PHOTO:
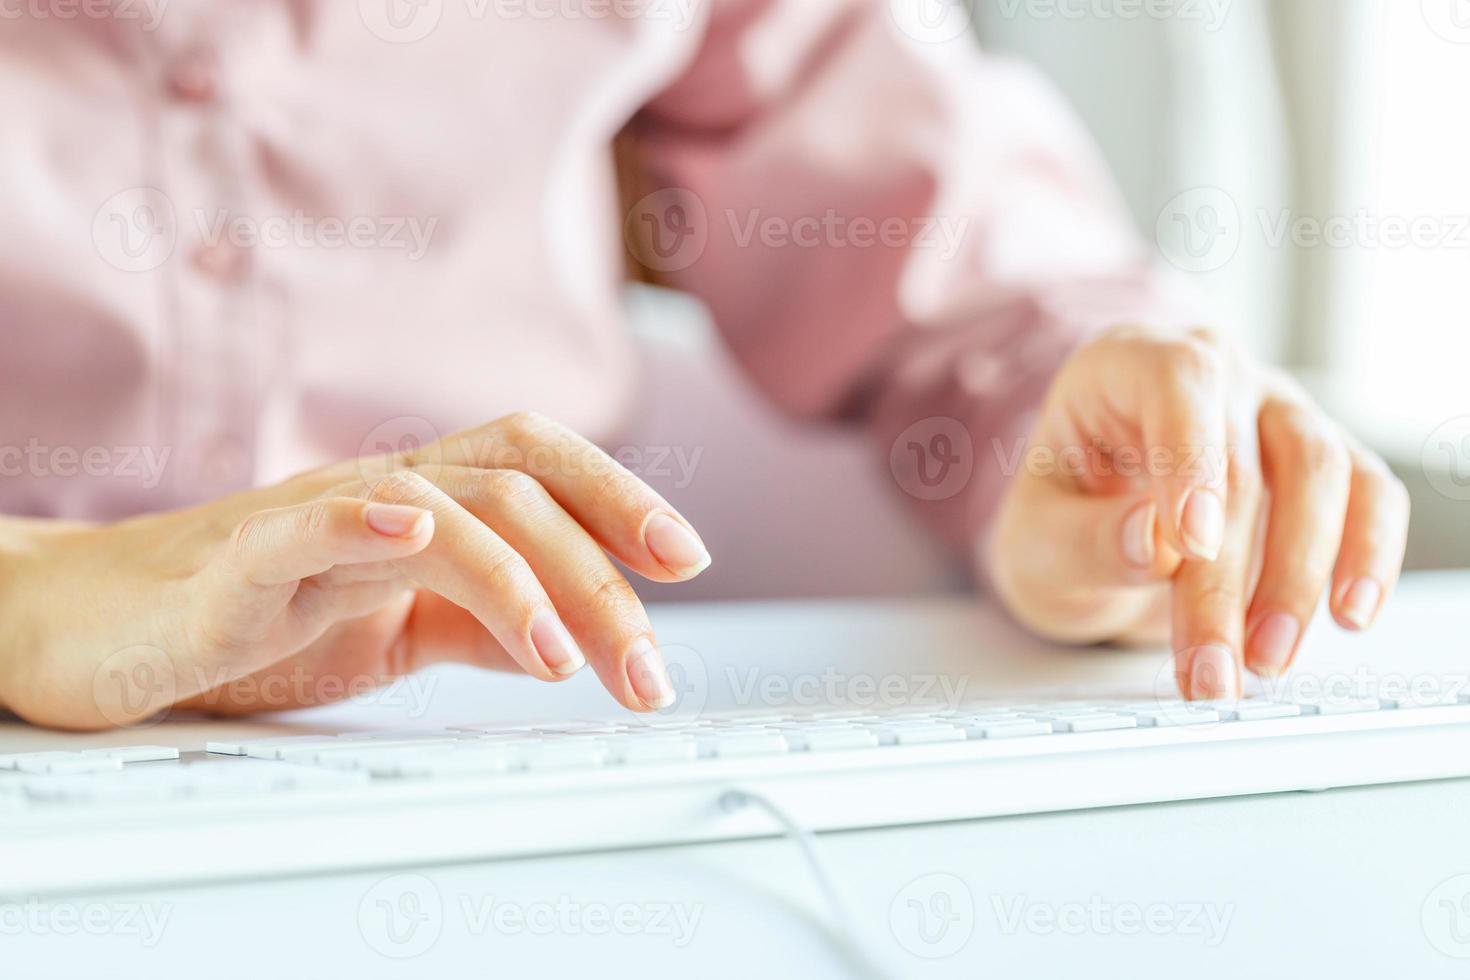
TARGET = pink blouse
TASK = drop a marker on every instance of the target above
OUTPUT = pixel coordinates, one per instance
(243, 237)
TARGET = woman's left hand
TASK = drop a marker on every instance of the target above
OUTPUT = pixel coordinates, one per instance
(1170, 482)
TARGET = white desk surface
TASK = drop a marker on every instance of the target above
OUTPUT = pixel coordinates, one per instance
(1359, 881)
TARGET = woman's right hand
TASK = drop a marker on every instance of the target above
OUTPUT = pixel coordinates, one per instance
(489, 547)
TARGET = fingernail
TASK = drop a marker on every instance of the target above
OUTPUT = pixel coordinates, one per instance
(1360, 602)
(675, 546)
(1212, 673)
(555, 645)
(1272, 643)
(1138, 535)
(1202, 525)
(396, 520)
(649, 676)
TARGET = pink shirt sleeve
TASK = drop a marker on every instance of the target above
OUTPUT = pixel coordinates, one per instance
(908, 234)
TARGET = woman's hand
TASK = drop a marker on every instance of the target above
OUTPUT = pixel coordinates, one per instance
(1170, 482)
(489, 547)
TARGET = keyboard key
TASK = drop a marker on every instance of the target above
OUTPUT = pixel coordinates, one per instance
(1418, 699)
(570, 754)
(1258, 711)
(917, 735)
(836, 739)
(1008, 728)
(136, 753)
(733, 746)
(61, 763)
(319, 752)
(1338, 706)
(244, 747)
(1175, 716)
(636, 751)
(1093, 723)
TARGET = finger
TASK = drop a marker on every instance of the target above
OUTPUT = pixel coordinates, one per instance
(1110, 541)
(592, 596)
(286, 544)
(1210, 598)
(1374, 537)
(469, 564)
(1092, 583)
(1173, 402)
(1306, 465)
(621, 512)
(1182, 415)
(349, 659)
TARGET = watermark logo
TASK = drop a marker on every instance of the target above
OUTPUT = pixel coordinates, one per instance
(689, 677)
(410, 695)
(143, 921)
(931, 21)
(1210, 14)
(1097, 916)
(133, 687)
(1450, 19)
(668, 230)
(135, 230)
(406, 233)
(1445, 459)
(833, 688)
(147, 14)
(1445, 917)
(933, 916)
(400, 21)
(675, 922)
(1200, 230)
(677, 464)
(933, 459)
(941, 234)
(386, 449)
(401, 916)
(145, 464)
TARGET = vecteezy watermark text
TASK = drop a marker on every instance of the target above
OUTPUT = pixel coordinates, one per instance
(143, 463)
(148, 13)
(1099, 917)
(145, 921)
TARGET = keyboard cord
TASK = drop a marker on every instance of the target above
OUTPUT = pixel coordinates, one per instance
(843, 933)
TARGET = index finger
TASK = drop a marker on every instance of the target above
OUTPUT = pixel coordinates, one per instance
(1210, 598)
(621, 512)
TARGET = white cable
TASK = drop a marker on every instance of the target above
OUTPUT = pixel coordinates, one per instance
(843, 933)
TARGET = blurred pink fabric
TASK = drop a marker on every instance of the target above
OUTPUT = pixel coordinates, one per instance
(241, 239)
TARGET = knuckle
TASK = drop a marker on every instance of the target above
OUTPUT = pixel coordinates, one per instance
(1190, 360)
(317, 518)
(1245, 480)
(612, 597)
(506, 573)
(523, 426)
(1398, 492)
(1305, 441)
(1219, 597)
(1321, 452)
(248, 535)
(403, 486)
(1207, 336)
(1388, 488)
(513, 486)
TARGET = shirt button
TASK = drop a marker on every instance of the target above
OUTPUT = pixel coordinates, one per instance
(195, 78)
(222, 261)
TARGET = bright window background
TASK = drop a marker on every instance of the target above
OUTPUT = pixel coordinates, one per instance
(1407, 350)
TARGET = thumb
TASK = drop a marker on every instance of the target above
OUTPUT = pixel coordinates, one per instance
(1068, 540)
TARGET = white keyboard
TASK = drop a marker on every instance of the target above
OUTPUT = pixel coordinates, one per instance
(312, 802)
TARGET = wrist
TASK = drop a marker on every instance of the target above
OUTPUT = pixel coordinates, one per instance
(25, 544)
